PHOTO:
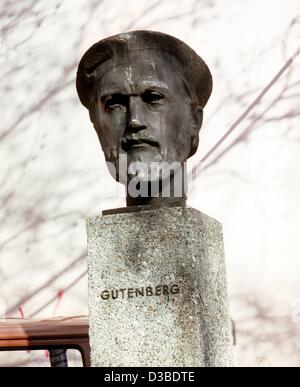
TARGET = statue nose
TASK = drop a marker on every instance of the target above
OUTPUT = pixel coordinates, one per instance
(136, 120)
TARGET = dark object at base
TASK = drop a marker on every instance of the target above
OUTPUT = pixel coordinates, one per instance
(55, 335)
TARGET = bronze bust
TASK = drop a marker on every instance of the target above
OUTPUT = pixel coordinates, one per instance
(145, 92)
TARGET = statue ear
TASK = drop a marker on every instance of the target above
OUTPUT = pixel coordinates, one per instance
(196, 126)
(194, 145)
(92, 114)
(93, 103)
(94, 120)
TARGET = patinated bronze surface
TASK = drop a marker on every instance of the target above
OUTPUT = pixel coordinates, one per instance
(145, 92)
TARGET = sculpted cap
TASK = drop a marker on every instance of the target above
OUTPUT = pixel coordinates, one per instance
(112, 50)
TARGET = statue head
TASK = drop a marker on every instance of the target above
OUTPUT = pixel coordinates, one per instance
(145, 92)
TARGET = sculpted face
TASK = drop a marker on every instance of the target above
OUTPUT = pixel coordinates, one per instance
(143, 109)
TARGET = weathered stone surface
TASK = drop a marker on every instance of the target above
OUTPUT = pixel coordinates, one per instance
(171, 306)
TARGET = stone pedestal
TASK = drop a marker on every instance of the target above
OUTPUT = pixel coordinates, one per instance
(157, 290)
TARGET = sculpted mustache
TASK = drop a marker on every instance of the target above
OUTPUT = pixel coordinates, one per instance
(128, 141)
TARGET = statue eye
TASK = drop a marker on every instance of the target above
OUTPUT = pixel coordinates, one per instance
(112, 102)
(153, 97)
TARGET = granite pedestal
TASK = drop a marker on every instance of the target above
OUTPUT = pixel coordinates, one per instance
(157, 290)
